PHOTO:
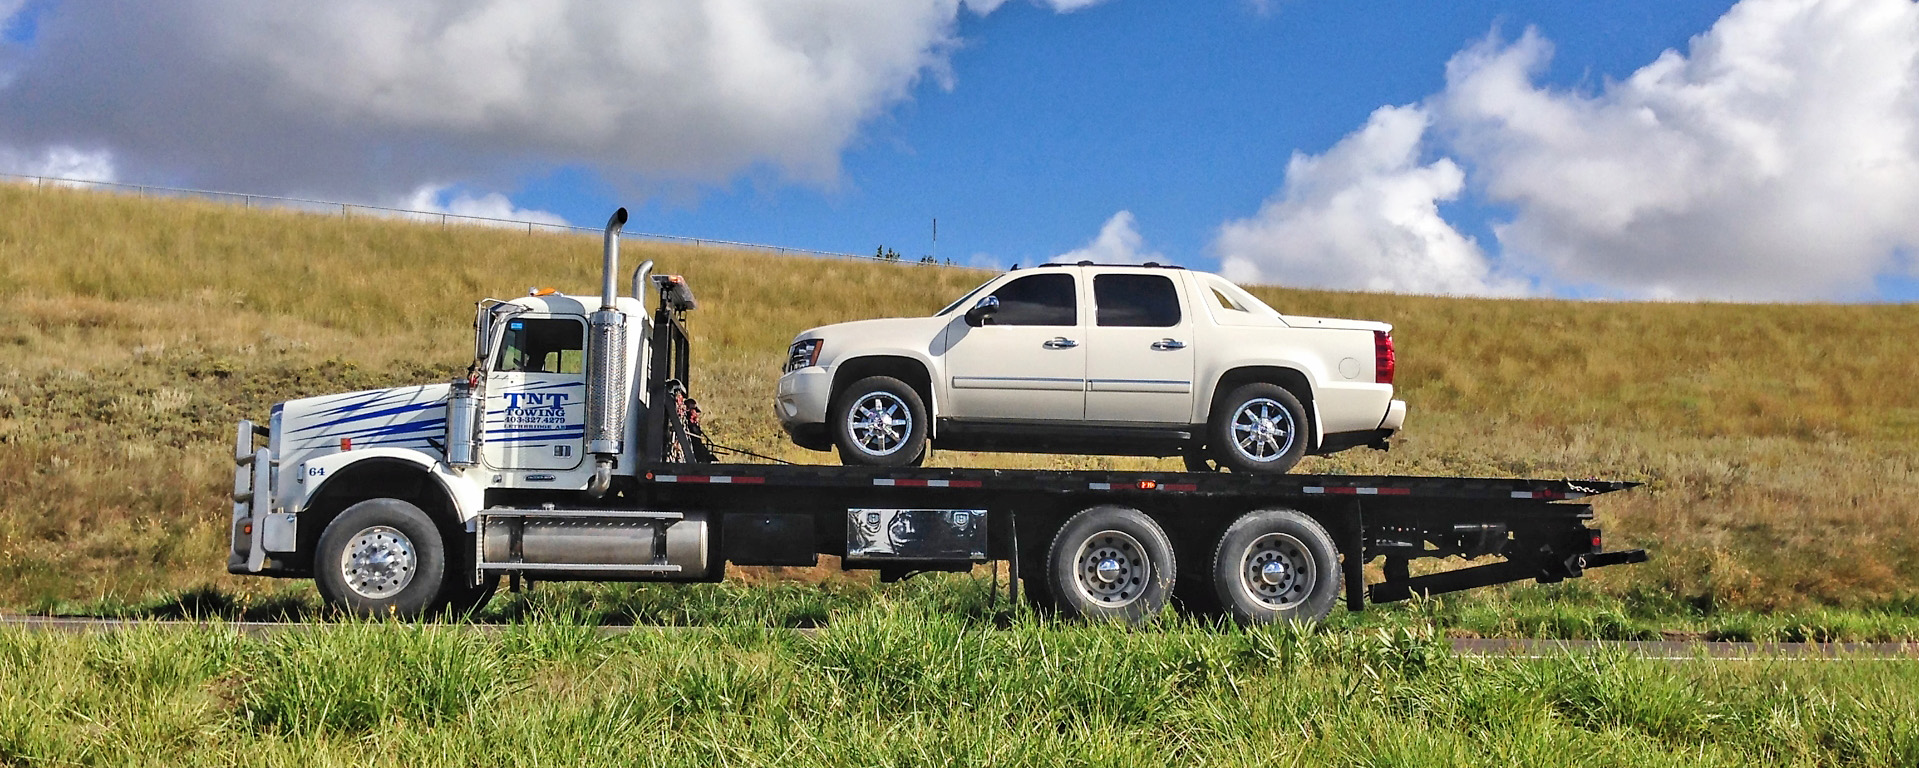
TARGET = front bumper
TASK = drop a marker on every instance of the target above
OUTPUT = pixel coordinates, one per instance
(800, 403)
(252, 500)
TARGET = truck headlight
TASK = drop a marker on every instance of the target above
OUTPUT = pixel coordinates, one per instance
(804, 353)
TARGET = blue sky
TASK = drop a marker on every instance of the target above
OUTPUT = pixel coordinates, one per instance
(1626, 149)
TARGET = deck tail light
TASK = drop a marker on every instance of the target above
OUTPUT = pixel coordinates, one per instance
(805, 353)
(1384, 361)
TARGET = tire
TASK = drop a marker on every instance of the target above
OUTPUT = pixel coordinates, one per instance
(1110, 563)
(381, 557)
(460, 601)
(1259, 427)
(879, 421)
(1276, 565)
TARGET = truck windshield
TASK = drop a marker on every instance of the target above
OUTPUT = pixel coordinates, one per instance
(542, 345)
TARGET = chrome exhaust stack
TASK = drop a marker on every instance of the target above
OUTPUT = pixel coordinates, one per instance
(606, 390)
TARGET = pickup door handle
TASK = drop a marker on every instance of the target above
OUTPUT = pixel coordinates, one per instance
(1060, 342)
(1168, 344)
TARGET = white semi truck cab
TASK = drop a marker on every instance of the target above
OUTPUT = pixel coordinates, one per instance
(570, 450)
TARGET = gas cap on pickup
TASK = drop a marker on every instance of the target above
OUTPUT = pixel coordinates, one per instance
(1349, 368)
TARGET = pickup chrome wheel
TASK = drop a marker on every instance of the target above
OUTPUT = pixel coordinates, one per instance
(381, 557)
(1110, 562)
(1258, 427)
(1275, 565)
(879, 421)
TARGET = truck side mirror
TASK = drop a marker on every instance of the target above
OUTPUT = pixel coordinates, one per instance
(986, 308)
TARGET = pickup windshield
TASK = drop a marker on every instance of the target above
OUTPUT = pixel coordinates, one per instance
(963, 299)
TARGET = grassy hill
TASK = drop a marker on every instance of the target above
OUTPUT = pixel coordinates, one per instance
(1778, 441)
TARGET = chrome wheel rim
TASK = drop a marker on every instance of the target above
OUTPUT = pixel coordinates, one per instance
(378, 562)
(879, 423)
(1263, 429)
(1278, 571)
(1111, 569)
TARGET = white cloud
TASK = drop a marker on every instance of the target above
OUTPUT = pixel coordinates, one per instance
(1363, 216)
(491, 208)
(368, 99)
(1777, 159)
(1118, 242)
(983, 7)
(60, 162)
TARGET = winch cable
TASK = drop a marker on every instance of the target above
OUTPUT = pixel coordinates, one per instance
(727, 449)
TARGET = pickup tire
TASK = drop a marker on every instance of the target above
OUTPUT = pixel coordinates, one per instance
(878, 421)
(1276, 565)
(1112, 563)
(1258, 427)
(381, 557)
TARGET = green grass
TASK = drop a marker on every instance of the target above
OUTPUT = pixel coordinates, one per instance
(897, 681)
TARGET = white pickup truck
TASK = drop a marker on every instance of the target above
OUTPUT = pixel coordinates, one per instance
(1094, 359)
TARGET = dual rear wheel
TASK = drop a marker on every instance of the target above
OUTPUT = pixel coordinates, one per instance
(1115, 563)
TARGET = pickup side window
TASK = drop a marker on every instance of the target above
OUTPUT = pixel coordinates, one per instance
(543, 346)
(1136, 301)
(1038, 300)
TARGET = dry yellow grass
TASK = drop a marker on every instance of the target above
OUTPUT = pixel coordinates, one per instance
(1777, 441)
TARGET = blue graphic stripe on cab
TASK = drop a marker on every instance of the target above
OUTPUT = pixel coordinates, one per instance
(523, 435)
(396, 411)
(359, 400)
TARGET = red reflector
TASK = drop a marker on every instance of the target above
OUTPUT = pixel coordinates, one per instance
(1385, 363)
(247, 529)
(346, 443)
(1147, 485)
(1596, 541)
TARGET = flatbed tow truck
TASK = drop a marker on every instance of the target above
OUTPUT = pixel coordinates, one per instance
(418, 500)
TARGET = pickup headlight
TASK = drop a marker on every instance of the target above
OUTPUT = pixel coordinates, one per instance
(804, 352)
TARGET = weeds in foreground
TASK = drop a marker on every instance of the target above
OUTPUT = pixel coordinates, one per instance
(893, 683)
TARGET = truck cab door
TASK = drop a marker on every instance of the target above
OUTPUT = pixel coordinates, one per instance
(536, 395)
(1139, 353)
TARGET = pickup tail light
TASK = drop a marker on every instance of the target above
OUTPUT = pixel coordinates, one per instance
(1384, 361)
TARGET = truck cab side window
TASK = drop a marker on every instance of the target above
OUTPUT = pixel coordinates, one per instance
(1038, 300)
(543, 346)
(1136, 301)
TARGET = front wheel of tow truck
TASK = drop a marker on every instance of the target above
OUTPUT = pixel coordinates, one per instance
(1110, 563)
(381, 557)
(1276, 565)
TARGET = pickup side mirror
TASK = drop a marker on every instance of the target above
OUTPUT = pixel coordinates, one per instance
(982, 311)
